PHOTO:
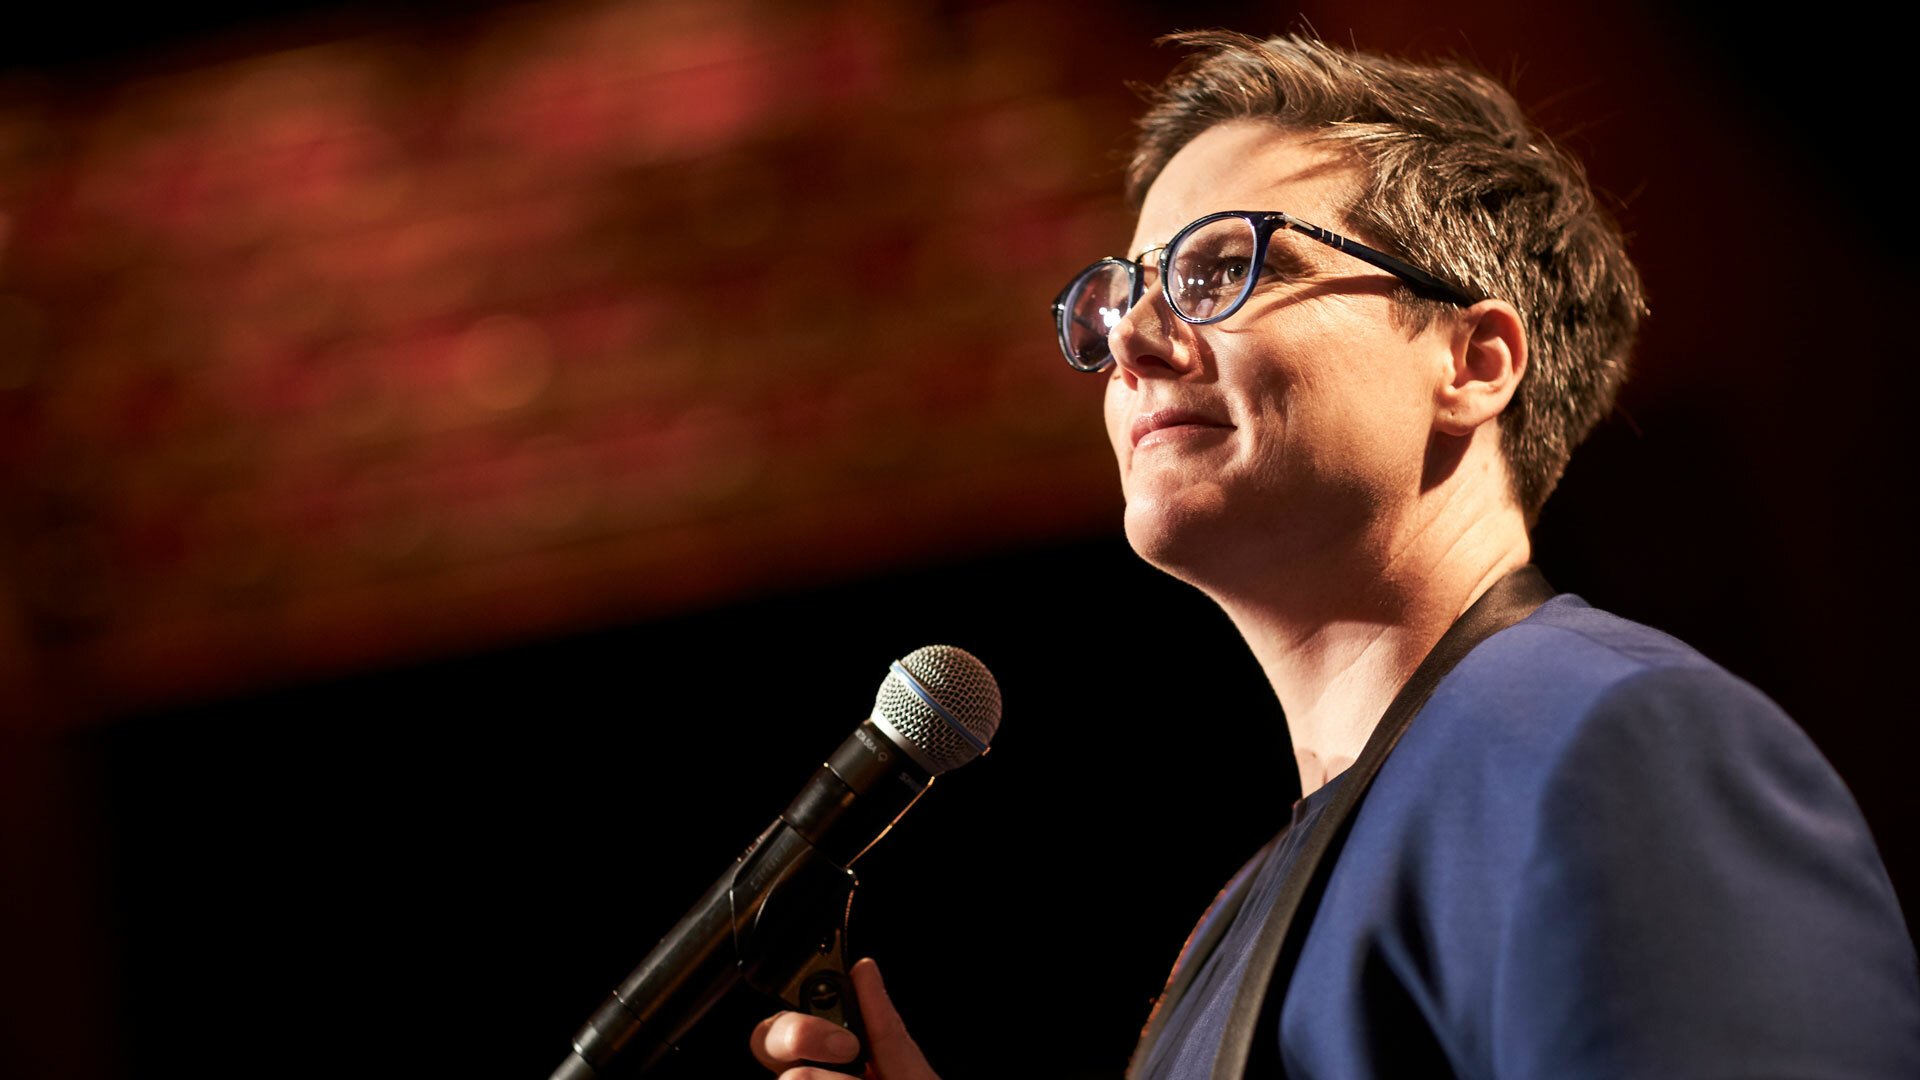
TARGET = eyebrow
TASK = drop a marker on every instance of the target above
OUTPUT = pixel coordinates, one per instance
(1288, 250)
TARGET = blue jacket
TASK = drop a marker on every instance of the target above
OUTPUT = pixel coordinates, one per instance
(1596, 854)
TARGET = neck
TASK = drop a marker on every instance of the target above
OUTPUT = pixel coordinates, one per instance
(1338, 637)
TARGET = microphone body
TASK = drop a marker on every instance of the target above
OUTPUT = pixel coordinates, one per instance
(776, 918)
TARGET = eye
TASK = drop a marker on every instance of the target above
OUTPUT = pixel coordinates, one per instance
(1217, 270)
(1208, 277)
(1215, 255)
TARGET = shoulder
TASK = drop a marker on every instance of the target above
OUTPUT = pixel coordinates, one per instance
(1627, 740)
(1569, 656)
(1689, 849)
(1595, 838)
(1575, 722)
(1528, 745)
(1573, 682)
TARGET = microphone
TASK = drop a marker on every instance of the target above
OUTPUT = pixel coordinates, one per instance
(776, 919)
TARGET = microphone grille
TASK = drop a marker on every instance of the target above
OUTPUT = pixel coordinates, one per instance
(942, 704)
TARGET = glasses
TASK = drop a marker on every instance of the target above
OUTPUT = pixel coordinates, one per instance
(1207, 271)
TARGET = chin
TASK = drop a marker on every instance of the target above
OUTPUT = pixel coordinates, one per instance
(1173, 539)
(1220, 545)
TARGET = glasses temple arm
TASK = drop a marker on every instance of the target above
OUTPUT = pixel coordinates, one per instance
(1438, 287)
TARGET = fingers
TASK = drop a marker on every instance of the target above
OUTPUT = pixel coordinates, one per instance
(895, 1055)
(785, 1038)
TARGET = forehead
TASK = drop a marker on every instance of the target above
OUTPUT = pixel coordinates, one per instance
(1246, 165)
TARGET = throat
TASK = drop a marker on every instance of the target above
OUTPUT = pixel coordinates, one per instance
(1316, 769)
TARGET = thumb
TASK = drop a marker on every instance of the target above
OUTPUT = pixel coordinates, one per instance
(892, 1052)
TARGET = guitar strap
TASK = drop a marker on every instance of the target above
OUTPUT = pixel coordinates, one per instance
(1277, 947)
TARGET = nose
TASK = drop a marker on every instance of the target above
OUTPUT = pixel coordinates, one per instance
(1150, 341)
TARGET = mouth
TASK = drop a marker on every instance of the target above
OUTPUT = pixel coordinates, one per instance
(1163, 425)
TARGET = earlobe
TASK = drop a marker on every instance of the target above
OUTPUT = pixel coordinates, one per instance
(1489, 357)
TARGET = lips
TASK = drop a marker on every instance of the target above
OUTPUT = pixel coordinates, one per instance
(1173, 422)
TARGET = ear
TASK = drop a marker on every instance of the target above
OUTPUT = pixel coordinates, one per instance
(1489, 348)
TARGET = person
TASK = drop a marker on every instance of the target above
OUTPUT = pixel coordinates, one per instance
(1368, 314)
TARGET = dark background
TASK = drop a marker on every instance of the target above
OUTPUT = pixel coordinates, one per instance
(427, 827)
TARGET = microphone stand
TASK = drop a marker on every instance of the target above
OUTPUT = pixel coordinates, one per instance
(776, 921)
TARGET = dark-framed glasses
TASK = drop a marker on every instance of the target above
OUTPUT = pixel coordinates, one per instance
(1207, 271)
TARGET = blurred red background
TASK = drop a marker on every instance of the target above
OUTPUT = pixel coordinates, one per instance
(409, 419)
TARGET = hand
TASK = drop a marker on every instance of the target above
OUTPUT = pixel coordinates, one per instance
(783, 1040)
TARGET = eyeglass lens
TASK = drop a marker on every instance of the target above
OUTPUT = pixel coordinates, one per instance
(1210, 270)
(1094, 306)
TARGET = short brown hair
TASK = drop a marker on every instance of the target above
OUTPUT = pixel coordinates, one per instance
(1457, 181)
